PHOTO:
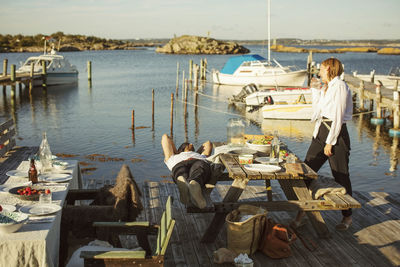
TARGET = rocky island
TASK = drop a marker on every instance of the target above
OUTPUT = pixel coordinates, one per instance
(188, 44)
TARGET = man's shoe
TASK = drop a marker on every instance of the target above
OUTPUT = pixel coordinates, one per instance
(197, 194)
(183, 188)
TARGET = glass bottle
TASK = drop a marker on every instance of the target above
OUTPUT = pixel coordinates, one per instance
(235, 132)
(275, 148)
(32, 173)
(45, 154)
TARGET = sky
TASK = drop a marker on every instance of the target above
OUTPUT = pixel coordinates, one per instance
(220, 19)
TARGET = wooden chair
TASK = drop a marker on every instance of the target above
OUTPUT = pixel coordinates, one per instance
(135, 258)
(10, 154)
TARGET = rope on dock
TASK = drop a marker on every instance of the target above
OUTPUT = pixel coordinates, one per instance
(210, 109)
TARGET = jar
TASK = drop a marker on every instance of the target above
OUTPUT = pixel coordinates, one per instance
(235, 132)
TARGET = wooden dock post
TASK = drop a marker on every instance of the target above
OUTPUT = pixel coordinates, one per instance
(309, 74)
(204, 69)
(172, 115)
(44, 74)
(395, 131)
(12, 78)
(201, 69)
(196, 76)
(177, 79)
(152, 109)
(133, 120)
(378, 120)
(31, 77)
(190, 69)
(183, 84)
(396, 85)
(361, 96)
(372, 76)
(89, 70)
(5, 63)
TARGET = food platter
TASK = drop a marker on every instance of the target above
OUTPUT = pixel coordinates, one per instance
(40, 209)
(32, 197)
(262, 167)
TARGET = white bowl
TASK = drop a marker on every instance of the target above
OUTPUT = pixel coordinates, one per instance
(60, 165)
(10, 222)
(261, 148)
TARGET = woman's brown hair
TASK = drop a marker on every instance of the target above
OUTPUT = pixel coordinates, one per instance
(335, 67)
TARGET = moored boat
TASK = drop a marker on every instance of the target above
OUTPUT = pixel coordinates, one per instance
(286, 111)
(59, 70)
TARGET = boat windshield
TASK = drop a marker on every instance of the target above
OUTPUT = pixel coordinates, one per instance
(30, 62)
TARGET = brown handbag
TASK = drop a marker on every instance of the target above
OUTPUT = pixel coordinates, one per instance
(276, 240)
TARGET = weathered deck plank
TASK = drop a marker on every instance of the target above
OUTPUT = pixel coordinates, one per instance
(372, 240)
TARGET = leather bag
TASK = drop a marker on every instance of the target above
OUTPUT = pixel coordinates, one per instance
(276, 240)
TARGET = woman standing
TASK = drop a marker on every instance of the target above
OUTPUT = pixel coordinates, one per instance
(332, 108)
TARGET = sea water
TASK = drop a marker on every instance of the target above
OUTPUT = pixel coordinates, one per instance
(92, 124)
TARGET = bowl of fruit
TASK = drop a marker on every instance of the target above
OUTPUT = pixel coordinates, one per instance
(263, 144)
(27, 192)
(10, 221)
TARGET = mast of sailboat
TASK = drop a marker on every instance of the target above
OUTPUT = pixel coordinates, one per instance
(269, 31)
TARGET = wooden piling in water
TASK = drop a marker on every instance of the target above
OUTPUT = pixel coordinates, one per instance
(31, 78)
(309, 72)
(152, 109)
(177, 79)
(361, 96)
(44, 74)
(190, 69)
(172, 114)
(396, 110)
(204, 69)
(12, 78)
(89, 70)
(196, 76)
(183, 84)
(5, 63)
(133, 120)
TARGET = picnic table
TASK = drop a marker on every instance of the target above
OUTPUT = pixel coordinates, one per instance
(36, 243)
(291, 179)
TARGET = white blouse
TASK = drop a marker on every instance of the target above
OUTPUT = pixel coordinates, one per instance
(336, 104)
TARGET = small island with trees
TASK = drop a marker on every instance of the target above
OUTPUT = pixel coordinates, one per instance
(188, 44)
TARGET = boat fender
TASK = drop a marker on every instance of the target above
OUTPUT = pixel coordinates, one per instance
(268, 100)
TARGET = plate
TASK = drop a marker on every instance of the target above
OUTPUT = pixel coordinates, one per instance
(4, 189)
(7, 207)
(262, 167)
(40, 209)
(265, 160)
(17, 173)
(55, 177)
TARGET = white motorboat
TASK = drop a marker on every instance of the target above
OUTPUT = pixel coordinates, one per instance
(387, 81)
(246, 69)
(289, 95)
(59, 70)
(286, 111)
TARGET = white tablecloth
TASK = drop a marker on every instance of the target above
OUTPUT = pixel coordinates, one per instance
(36, 244)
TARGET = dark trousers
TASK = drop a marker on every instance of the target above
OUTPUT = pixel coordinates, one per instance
(193, 169)
(339, 161)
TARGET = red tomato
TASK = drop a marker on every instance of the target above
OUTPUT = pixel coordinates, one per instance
(1, 208)
(47, 191)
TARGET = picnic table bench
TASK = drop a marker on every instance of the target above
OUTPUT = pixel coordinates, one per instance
(291, 179)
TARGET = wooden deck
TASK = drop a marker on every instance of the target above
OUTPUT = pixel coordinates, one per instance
(372, 240)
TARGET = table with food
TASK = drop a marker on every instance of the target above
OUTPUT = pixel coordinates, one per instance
(30, 211)
(263, 157)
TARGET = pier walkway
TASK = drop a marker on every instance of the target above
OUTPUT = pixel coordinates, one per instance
(372, 240)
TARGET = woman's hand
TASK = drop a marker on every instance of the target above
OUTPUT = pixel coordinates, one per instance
(328, 150)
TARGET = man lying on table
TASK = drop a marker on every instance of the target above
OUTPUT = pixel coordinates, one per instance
(190, 169)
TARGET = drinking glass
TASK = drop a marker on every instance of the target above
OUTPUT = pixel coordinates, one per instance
(45, 198)
(275, 153)
(291, 158)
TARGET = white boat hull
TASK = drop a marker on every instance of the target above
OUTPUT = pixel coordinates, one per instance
(57, 78)
(287, 112)
(288, 95)
(387, 81)
(295, 78)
